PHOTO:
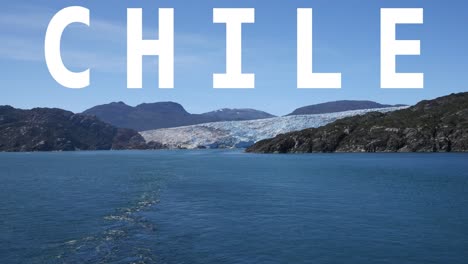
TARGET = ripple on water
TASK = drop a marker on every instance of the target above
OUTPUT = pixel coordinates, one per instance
(115, 244)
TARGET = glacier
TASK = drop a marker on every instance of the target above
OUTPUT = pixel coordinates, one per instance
(242, 134)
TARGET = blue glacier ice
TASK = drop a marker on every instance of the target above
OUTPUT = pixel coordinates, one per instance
(242, 134)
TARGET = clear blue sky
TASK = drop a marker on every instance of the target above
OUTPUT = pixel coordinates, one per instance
(346, 40)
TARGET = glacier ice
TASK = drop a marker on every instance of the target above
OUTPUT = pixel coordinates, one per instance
(241, 134)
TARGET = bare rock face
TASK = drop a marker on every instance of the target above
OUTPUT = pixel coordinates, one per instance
(45, 129)
(439, 125)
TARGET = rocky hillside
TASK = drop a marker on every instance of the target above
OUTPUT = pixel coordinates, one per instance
(338, 106)
(439, 125)
(165, 115)
(44, 129)
(144, 116)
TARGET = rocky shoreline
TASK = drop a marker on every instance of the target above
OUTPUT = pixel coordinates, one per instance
(47, 129)
(439, 125)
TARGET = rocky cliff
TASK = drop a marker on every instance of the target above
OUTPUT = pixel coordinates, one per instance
(45, 129)
(439, 125)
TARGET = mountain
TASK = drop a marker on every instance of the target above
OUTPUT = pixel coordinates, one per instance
(227, 114)
(164, 115)
(439, 125)
(338, 106)
(240, 134)
(143, 116)
(45, 129)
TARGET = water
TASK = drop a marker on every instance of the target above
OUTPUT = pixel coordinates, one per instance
(230, 207)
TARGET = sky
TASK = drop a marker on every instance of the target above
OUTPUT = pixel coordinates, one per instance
(346, 40)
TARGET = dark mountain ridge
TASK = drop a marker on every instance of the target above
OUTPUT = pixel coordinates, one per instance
(338, 106)
(228, 114)
(165, 115)
(439, 125)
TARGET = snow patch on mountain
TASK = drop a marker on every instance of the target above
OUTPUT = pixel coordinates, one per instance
(241, 134)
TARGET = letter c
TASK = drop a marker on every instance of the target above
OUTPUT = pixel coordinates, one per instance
(65, 17)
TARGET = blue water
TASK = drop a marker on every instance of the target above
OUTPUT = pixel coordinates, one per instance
(232, 207)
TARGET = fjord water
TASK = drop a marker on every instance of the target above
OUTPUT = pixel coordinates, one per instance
(231, 207)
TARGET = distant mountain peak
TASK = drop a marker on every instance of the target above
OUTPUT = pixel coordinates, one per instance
(339, 106)
(168, 103)
(114, 104)
(237, 114)
(148, 116)
(162, 107)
